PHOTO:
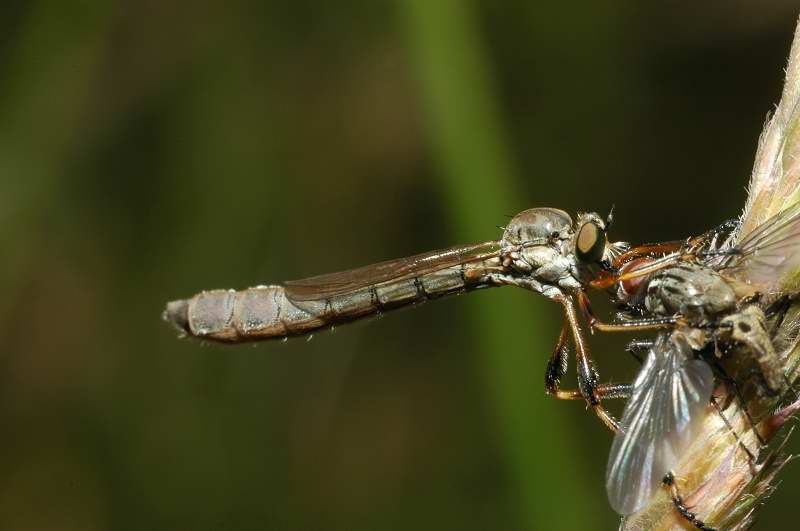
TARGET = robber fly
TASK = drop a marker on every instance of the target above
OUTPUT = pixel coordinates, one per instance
(541, 250)
(701, 291)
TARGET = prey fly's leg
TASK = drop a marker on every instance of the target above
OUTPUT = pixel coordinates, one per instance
(750, 456)
(680, 506)
(557, 367)
(737, 393)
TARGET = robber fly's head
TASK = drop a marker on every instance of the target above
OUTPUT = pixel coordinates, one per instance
(590, 245)
(547, 244)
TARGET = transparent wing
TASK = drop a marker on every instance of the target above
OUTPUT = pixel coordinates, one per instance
(659, 421)
(332, 284)
(768, 256)
(775, 181)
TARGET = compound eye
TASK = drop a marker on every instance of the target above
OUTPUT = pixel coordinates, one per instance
(590, 245)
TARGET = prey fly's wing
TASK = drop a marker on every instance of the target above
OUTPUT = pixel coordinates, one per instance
(775, 180)
(660, 420)
(769, 256)
(765, 249)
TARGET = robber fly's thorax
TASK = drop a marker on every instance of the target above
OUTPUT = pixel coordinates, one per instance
(546, 246)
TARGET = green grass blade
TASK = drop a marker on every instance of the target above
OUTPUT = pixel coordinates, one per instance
(478, 182)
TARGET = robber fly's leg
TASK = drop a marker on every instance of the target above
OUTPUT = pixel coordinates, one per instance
(557, 367)
(638, 347)
(634, 325)
(588, 387)
(557, 364)
(606, 279)
(602, 391)
(680, 506)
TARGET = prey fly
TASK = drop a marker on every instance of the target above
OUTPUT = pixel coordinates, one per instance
(709, 293)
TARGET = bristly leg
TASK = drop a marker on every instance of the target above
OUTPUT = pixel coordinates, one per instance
(588, 387)
(557, 364)
(557, 367)
(680, 506)
(634, 325)
(638, 348)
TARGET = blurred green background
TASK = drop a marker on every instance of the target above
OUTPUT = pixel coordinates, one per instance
(150, 150)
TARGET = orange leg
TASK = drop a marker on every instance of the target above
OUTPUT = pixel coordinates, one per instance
(606, 280)
(638, 325)
(588, 387)
(557, 367)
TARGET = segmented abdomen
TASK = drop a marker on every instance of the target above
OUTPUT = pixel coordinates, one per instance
(269, 312)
